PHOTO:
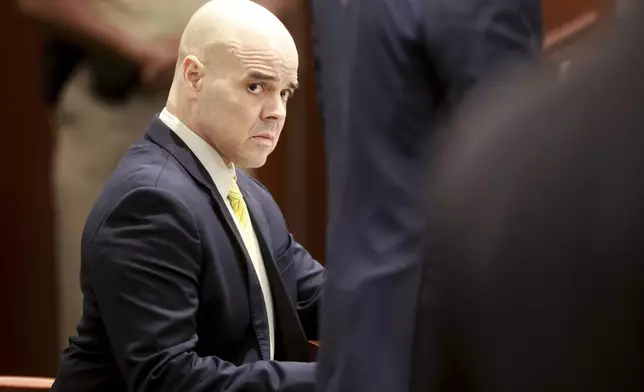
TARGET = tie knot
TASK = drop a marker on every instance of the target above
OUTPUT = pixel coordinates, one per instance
(234, 193)
(237, 203)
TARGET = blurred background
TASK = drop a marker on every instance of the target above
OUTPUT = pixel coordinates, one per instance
(31, 315)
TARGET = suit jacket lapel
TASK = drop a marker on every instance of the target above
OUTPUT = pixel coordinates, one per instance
(291, 343)
(163, 136)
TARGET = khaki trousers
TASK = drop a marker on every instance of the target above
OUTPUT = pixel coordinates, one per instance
(91, 137)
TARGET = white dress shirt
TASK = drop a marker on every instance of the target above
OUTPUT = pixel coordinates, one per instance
(222, 176)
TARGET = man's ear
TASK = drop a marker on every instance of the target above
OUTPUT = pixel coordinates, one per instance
(193, 71)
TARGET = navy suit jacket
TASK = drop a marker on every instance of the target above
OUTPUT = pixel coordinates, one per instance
(171, 300)
(390, 71)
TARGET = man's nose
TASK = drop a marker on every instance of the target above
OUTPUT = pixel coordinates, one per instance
(275, 109)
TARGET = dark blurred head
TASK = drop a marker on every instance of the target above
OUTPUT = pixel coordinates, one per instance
(534, 280)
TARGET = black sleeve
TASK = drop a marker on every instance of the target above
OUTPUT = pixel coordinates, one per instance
(469, 40)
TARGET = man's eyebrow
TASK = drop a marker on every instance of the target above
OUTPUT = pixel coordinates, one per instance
(262, 76)
(270, 78)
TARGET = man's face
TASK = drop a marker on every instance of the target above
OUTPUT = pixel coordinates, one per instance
(241, 107)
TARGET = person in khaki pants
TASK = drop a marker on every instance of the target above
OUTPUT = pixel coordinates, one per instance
(93, 132)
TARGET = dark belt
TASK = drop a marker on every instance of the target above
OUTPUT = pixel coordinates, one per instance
(113, 79)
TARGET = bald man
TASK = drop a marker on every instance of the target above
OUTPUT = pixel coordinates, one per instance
(191, 280)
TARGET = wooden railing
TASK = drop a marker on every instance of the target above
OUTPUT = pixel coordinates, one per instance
(571, 30)
(28, 383)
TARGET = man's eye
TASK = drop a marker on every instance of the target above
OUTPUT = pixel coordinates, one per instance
(286, 94)
(255, 88)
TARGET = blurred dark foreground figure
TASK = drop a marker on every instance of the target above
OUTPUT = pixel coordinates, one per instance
(534, 280)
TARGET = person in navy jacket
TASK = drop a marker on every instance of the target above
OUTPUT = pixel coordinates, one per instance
(390, 74)
(191, 280)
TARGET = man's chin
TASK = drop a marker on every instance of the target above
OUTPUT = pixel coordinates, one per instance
(253, 163)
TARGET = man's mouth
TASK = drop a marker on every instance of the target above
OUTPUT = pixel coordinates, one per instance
(264, 138)
(264, 135)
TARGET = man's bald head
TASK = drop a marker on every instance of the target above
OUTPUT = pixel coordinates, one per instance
(237, 68)
(232, 22)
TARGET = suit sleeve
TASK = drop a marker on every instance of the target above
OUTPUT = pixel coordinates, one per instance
(310, 282)
(144, 262)
(310, 274)
(470, 40)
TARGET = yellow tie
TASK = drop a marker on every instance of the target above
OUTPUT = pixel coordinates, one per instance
(237, 202)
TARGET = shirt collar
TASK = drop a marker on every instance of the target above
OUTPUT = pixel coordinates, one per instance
(220, 174)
